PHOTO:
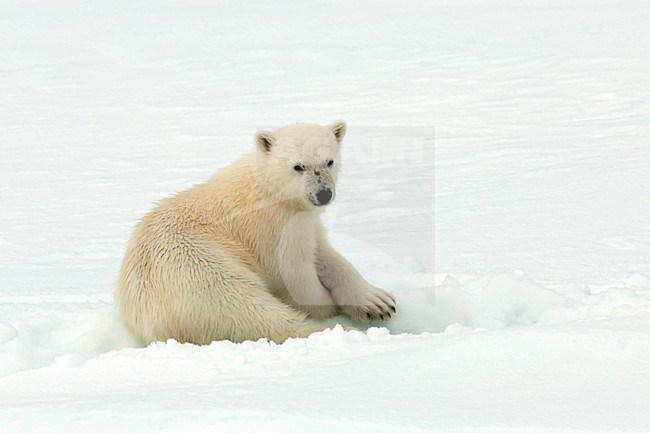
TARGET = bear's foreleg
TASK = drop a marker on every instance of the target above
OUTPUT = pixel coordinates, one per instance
(306, 292)
(355, 296)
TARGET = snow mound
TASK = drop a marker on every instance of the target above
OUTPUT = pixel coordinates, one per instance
(37, 335)
(503, 300)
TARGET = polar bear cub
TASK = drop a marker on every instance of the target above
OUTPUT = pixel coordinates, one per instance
(244, 255)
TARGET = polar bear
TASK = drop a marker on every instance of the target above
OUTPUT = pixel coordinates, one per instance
(244, 255)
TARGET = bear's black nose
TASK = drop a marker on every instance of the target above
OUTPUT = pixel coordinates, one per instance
(324, 196)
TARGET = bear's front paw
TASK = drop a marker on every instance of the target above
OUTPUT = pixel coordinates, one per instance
(371, 305)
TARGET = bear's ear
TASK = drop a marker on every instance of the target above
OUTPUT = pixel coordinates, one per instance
(338, 129)
(265, 140)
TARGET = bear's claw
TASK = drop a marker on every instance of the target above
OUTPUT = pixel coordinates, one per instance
(373, 305)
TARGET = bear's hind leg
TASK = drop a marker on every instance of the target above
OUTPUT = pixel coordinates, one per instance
(215, 297)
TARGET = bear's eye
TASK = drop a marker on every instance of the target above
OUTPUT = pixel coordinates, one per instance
(330, 163)
(298, 167)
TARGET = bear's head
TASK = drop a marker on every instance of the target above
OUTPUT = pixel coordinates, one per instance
(300, 162)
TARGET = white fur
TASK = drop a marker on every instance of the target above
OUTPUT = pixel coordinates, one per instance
(244, 255)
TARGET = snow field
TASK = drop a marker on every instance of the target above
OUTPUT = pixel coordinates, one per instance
(72, 333)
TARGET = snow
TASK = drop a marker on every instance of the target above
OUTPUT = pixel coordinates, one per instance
(495, 179)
